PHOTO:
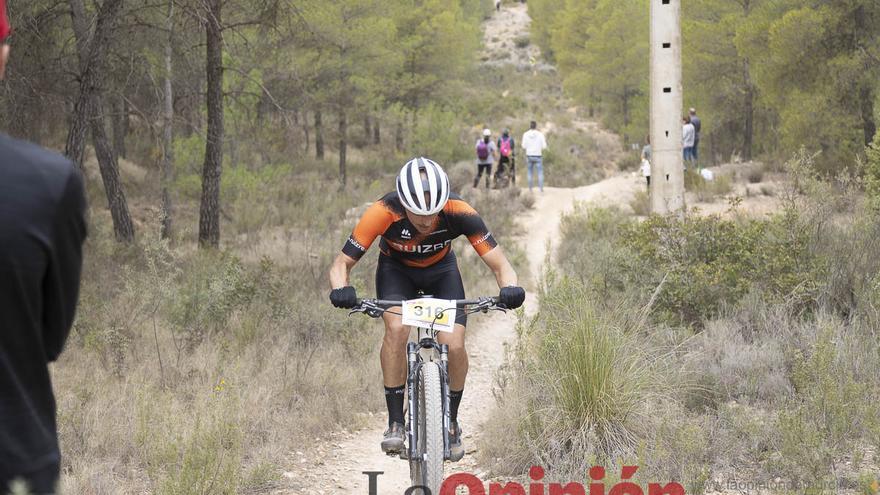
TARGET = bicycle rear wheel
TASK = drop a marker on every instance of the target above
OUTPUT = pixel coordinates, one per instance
(427, 469)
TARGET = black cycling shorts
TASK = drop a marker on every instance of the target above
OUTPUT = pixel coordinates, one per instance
(396, 281)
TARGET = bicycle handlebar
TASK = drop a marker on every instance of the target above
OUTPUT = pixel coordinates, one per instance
(375, 307)
(386, 303)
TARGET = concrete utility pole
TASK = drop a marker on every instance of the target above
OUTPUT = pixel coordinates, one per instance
(667, 165)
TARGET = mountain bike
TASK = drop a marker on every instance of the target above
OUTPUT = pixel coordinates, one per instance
(427, 379)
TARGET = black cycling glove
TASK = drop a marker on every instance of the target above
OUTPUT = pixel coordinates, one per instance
(512, 297)
(344, 297)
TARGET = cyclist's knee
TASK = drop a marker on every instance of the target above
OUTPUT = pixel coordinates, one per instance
(455, 342)
(396, 332)
(456, 346)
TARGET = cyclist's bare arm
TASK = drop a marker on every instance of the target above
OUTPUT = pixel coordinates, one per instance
(495, 259)
(340, 269)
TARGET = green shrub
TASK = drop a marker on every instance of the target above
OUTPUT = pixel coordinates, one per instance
(436, 135)
(641, 203)
(872, 172)
(755, 175)
(522, 41)
(201, 453)
(590, 249)
(215, 287)
(573, 159)
(705, 262)
(596, 379)
(628, 161)
(599, 381)
(707, 190)
(825, 416)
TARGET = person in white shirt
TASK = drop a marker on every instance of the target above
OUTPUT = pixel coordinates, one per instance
(534, 144)
(688, 134)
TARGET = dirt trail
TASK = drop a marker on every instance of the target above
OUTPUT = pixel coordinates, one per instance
(337, 466)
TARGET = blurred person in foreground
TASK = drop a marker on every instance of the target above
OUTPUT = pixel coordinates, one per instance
(42, 229)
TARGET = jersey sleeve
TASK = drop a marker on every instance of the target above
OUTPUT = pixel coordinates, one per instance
(471, 225)
(373, 223)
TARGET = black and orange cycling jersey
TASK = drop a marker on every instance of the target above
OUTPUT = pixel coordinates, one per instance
(401, 241)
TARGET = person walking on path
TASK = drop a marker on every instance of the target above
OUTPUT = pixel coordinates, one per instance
(695, 121)
(534, 143)
(646, 161)
(486, 154)
(506, 156)
(497, 5)
(687, 142)
(42, 229)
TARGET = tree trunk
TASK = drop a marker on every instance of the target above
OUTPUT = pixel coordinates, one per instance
(625, 102)
(209, 212)
(367, 129)
(712, 149)
(118, 119)
(168, 129)
(76, 135)
(398, 137)
(749, 109)
(122, 226)
(592, 108)
(343, 144)
(319, 135)
(305, 126)
(749, 131)
(89, 110)
(861, 37)
(866, 106)
(377, 136)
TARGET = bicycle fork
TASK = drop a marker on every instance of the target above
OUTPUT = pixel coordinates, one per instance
(444, 393)
(414, 364)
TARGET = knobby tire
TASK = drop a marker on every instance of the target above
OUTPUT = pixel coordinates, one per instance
(428, 469)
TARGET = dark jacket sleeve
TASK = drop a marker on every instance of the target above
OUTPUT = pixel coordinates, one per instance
(62, 277)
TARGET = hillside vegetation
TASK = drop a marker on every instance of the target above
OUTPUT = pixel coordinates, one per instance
(766, 76)
(705, 350)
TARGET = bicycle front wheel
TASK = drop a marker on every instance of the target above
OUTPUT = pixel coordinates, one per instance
(427, 469)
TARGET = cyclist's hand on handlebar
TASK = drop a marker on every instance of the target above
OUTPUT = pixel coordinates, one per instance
(512, 297)
(344, 297)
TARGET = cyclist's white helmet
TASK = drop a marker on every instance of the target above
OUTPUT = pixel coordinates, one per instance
(423, 195)
(487, 132)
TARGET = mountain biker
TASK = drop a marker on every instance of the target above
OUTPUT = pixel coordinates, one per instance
(417, 224)
(507, 154)
(486, 150)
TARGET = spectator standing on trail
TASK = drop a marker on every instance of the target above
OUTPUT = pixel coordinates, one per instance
(692, 115)
(646, 160)
(498, 5)
(534, 144)
(506, 156)
(486, 154)
(42, 228)
(687, 141)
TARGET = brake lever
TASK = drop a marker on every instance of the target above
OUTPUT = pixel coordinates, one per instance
(488, 305)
